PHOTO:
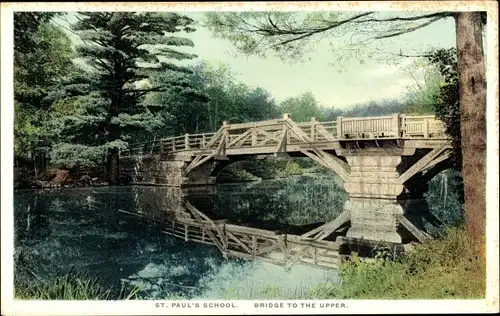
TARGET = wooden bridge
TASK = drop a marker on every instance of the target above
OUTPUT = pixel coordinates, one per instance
(385, 163)
(260, 137)
(284, 135)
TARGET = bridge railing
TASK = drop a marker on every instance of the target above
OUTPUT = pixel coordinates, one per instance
(422, 126)
(243, 135)
(271, 133)
(319, 131)
(393, 126)
(171, 144)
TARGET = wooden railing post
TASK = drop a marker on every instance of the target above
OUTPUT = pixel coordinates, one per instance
(161, 146)
(395, 125)
(186, 141)
(254, 246)
(173, 143)
(286, 117)
(254, 137)
(225, 135)
(339, 127)
(313, 128)
(202, 141)
(425, 127)
(402, 119)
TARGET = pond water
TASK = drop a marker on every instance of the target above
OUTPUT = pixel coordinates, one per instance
(82, 229)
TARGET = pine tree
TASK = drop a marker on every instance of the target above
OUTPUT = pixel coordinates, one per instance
(183, 106)
(121, 49)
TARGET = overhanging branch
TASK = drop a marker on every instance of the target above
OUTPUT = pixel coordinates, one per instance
(409, 30)
(271, 28)
(324, 29)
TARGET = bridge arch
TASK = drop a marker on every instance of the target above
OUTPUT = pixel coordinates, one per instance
(209, 171)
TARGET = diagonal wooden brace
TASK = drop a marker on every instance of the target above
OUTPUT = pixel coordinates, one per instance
(326, 229)
(419, 234)
(431, 159)
(198, 161)
(282, 142)
(331, 162)
(203, 219)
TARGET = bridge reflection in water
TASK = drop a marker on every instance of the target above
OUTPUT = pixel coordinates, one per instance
(384, 162)
(283, 245)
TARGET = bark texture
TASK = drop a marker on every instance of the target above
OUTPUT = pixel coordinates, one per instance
(471, 67)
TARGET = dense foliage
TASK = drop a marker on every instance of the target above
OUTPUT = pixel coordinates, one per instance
(448, 101)
(209, 96)
(42, 58)
(303, 108)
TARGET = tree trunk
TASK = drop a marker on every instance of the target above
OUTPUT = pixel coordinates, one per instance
(113, 166)
(472, 81)
(114, 134)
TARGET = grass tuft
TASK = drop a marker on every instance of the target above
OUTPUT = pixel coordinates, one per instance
(70, 286)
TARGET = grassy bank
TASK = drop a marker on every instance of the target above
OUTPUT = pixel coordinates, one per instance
(445, 268)
(71, 286)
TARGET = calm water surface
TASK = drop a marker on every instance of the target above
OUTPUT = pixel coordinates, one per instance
(81, 228)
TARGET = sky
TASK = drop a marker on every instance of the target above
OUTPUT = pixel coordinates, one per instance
(357, 83)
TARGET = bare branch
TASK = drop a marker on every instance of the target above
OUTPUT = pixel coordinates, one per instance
(400, 54)
(439, 15)
(329, 27)
(409, 30)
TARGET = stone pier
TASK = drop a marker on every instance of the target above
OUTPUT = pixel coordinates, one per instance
(168, 171)
(386, 190)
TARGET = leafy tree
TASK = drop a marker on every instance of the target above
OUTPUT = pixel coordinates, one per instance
(42, 58)
(256, 105)
(217, 80)
(122, 48)
(422, 95)
(290, 34)
(232, 101)
(26, 26)
(303, 107)
(447, 103)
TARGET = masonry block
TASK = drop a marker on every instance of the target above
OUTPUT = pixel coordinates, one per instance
(374, 219)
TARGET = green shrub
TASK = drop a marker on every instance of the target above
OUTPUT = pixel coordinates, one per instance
(443, 268)
(293, 168)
